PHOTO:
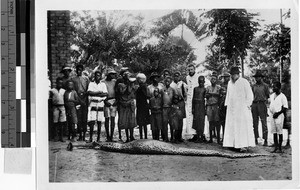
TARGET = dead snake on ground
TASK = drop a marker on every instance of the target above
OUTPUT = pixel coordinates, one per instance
(159, 147)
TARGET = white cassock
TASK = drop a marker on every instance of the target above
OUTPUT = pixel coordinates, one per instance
(239, 124)
(192, 82)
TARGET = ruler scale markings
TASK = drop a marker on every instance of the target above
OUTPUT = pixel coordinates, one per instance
(12, 65)
(15, 73)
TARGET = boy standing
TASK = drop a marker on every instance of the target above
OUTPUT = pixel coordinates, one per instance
(212, 96)
(176, 118)
(97, 92)
(167, 96)
(278, 105)
(181, 91)
(81, 84)
(156, 114)
(198, 110)
(59, 112)
(110, 104)
(72, 103)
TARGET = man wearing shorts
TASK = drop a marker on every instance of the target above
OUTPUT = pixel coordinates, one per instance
(212, 97)
(59, 112)
(278, 105)
(110, 104)
(97, 92)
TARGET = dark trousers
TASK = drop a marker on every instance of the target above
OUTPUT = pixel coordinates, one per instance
(179, 130)
(71, 128)
(259, 110)
(166, 121)
(82, 118)
(156, 125)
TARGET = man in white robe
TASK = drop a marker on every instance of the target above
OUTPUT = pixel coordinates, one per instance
(239, 132)
(192, 82)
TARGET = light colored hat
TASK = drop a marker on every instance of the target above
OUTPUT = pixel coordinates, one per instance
(142, 77)
(111, 71)
(66, 68)
(132, 78)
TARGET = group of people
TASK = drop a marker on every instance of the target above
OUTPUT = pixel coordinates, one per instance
(80, 101)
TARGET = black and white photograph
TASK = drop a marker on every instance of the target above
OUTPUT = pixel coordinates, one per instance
(169, 95)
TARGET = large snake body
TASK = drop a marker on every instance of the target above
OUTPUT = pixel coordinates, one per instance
(159, 147)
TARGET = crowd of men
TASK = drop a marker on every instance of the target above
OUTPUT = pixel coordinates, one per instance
(227, 101)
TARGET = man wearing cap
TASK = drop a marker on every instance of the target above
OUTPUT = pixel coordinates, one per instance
(127, 105)
(259, 107)
(181, 90)
(110, 104)
(154, 78)
(66, 75)
(120, 80)
(239, 130)
(65, 78)
(81, 84)
(142, 105)
(166, 73)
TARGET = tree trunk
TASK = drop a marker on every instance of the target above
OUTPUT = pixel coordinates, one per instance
(242, 66)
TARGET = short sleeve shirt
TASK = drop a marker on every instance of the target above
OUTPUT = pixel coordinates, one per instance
(277, 101)
(260, 92)
(94, 87)
(58, 96)
(110, 85)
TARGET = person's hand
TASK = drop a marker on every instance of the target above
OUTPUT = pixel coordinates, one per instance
(275, 115)
(107, 103)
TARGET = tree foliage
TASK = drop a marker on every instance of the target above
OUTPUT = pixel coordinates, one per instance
(103, 38)
(171, 52)
(278, 41)
(168, 22)
(234, 30)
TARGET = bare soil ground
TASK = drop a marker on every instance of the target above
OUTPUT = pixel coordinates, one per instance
(88, 165)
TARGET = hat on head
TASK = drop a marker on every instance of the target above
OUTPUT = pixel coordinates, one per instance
(66, 68)
(110, 71)
(214, 74)
(225, 74)
(123, 69)
(169, 77)
(166, 70)
(258, 74)
(177, 73)
(234, 70)
(141, 76)
(132, 78)
(154, 74)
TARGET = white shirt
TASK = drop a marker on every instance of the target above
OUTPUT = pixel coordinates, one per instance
(277, 101)
(58, 96)
(94, 87)
(180, 86)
